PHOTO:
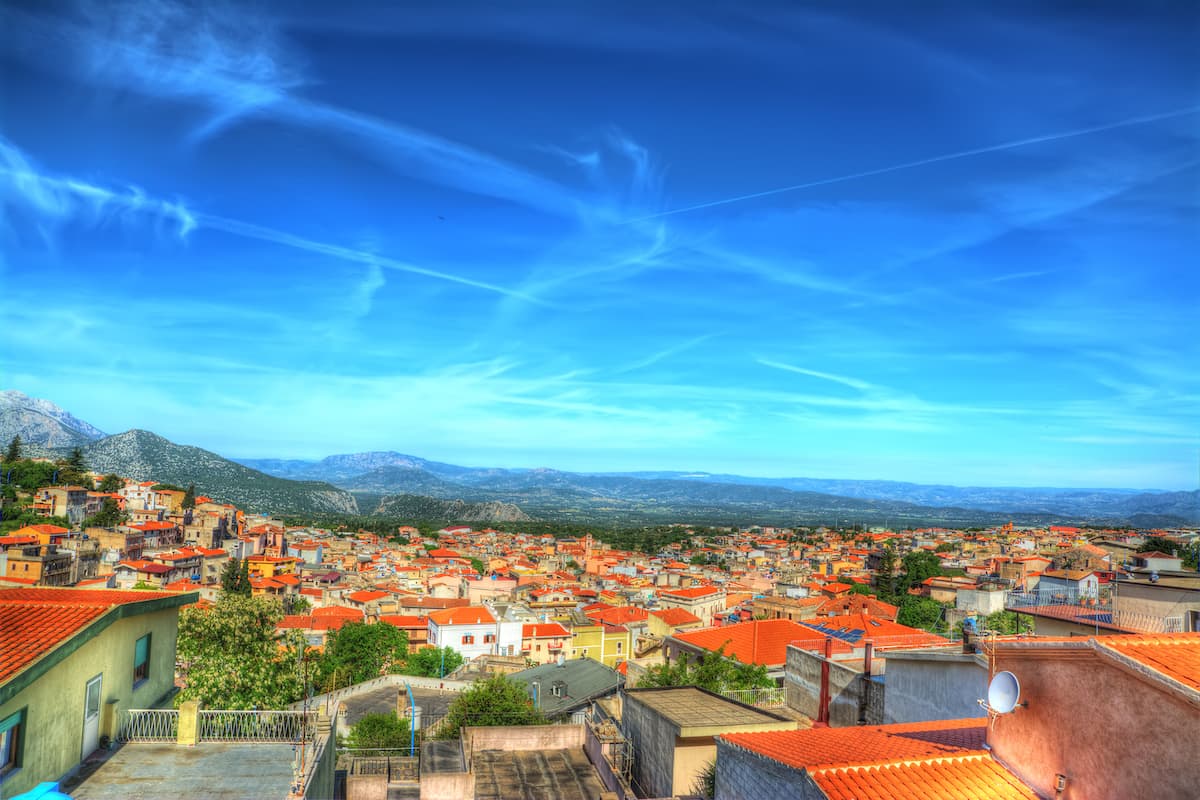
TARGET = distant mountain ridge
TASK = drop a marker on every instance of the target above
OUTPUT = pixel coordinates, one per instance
(143, 455)
(41, 424)
(555, 493)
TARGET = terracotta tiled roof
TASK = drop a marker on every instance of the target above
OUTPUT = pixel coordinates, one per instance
(467, 615)
(311, 623)
(754, 642)
(620, 615)
(338, 611)
(691, 593)
(974, 777)
(404, 621)
(34, 621)
(676, 616)
(366, 596)
(817, 748)
(857, 628)
(544, 629)
(1175, 655)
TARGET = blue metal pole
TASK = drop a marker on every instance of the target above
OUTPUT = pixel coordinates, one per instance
(412, 720)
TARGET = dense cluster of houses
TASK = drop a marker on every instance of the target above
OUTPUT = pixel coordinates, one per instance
(563, 612)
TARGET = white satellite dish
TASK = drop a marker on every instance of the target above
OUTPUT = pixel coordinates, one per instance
(1004, 692)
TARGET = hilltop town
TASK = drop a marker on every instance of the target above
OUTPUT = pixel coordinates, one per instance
(803, 626)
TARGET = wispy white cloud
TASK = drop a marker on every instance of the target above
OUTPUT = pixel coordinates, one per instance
(665, 353)
(67, 198)
(236, 63)
(853, 383)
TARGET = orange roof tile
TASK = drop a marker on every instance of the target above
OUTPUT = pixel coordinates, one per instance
(755, 642)
(619, 615)
(691, 593)
(466, 615)
(815, 748)
(676, 616)
(973, 777)
(544, 629)
(1175, 655)
(338, 611)
(36, 620)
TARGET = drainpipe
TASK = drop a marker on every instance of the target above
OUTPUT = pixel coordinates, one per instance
(823, 704)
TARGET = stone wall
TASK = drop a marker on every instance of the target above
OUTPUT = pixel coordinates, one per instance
(742, 775)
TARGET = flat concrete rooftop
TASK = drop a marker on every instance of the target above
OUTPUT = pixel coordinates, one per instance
(689, 707)
(209, 771)
(534, 775)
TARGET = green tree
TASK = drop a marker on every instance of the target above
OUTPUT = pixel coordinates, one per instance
(1008, 623)
(885, 575)
(76, 461)
(919, 565)
(189, 497)
(166, 487)
(497, 700)
(478, 566)
(234, 580)
(379, 732)
(1158, 544)
(705, 784)
(858, 588)
(14, 450)
(112, 483)
(713, 671)
(230, 658)
(433, 662)
(920, 612)
(360, 651)
(110, 515)
(945, 547)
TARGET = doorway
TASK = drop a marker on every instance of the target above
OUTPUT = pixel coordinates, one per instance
(91, 717)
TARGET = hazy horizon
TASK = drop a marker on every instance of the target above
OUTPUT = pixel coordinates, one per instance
(862, 242)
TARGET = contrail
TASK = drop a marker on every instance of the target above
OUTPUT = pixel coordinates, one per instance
(1050, 137)
(47, 194)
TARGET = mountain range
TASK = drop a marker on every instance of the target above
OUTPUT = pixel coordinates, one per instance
(395, 484)
(702, 496)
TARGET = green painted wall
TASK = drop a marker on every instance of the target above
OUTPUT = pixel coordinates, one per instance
(54, 717)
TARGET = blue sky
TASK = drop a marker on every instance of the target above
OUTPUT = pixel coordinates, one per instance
(950, 244)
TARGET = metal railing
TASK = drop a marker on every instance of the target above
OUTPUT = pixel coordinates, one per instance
(1101, 611)
(149, 725)
(774, 697)
(256, 726)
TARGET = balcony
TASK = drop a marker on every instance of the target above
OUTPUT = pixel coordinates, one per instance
(1096, 612)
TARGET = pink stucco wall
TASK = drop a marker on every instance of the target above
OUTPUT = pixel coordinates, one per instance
(1111, 733)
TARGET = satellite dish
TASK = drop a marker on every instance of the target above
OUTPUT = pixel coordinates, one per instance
(1004, 692)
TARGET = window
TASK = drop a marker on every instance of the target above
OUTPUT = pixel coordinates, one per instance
(619, 646)
(468, 638)
(12, 743)
(488, 638)
(141, 660)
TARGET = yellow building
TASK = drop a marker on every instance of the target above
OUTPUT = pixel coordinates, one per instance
(270, 566)
(608, 644)
(77, 659)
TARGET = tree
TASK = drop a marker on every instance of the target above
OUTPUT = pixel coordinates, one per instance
(885, 575)
(379, 732)
(232, 580)
(478, 566)
(858, 588)
(230, 659)
(919, 565)
(14, 450)
(1008, 623)
(75, 460)
(360, 651)
(920, 612)
(497, 700)
(189, 497)
(433, 662)
(713, 671)
(1158, 544)
(112, 483)
(110, 515)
